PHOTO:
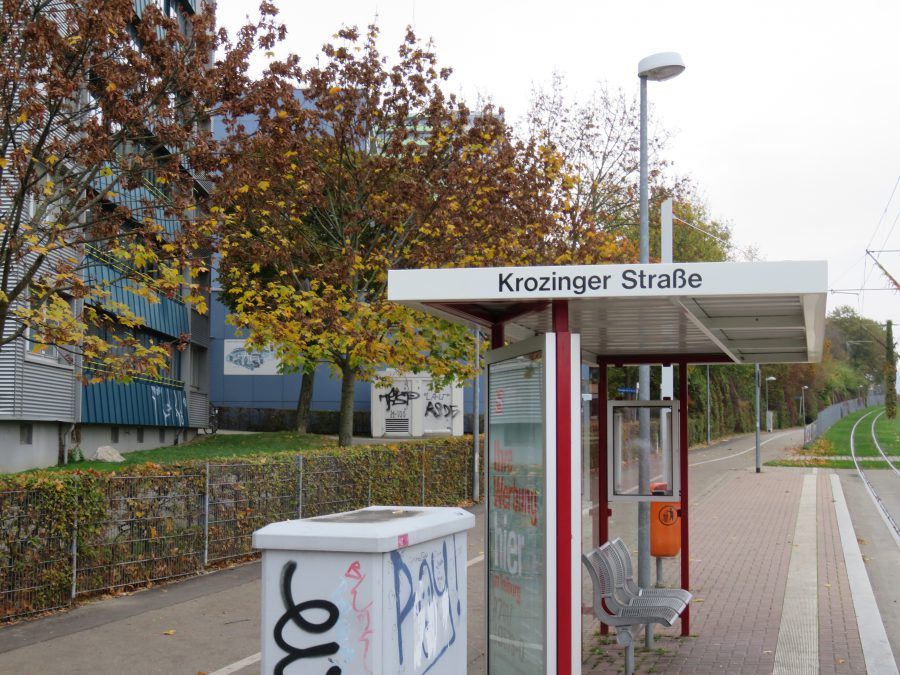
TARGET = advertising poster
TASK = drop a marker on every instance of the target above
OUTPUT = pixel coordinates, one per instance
(517, 512)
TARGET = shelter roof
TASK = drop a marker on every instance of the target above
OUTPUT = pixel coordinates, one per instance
(760, 312)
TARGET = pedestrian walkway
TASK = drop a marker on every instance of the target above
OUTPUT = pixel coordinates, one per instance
(770, 583)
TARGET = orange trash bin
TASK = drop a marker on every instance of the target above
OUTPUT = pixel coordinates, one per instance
(665, 526)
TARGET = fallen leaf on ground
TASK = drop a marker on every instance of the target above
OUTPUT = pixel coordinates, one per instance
(169, 632)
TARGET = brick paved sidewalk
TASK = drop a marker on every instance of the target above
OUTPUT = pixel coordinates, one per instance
(741, 545)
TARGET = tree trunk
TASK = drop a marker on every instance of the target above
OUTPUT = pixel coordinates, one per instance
(348, 389)
(304, 402)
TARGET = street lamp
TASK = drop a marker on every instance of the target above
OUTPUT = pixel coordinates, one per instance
(657, 67)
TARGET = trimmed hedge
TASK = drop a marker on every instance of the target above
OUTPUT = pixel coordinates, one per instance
(69, 534)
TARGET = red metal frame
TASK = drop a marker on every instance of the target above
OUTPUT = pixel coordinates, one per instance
(564, 525)
(685, 530)
(498, 335)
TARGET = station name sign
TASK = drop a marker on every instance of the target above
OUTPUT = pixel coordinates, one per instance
(607, 281)
(579, 284)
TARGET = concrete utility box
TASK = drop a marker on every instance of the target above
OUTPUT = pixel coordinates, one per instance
(379, 590)
(410, 408)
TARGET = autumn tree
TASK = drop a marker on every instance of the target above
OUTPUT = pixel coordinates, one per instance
(890, 373)
(598, 141)
(104, 108)
(366, 166)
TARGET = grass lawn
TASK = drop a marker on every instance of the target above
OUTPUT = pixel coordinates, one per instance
(836, 442)
(888, 432)
(217, 446)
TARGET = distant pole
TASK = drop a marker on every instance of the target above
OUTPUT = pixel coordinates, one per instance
(476, 441)
(758, 454)
(708, 430)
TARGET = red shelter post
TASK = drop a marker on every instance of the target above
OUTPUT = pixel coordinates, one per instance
(685, 529)
(564, 525)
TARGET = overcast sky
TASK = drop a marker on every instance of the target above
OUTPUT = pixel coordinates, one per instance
(787, 116)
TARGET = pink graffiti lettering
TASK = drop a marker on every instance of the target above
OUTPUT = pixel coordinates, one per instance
(364, 614)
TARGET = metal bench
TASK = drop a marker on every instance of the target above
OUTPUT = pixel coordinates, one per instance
(623, 611)
(624, 557)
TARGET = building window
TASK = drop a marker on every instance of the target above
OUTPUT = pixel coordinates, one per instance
(37, 343)
(162, 435)
(114, 434)
(140, 434)
(26, 432)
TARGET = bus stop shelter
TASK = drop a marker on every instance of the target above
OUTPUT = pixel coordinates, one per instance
(546, 323)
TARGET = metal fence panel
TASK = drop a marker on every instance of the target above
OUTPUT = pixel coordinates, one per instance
(35, 555)
(334, 483)
(833, 414)
(244, 497)
(153, 530)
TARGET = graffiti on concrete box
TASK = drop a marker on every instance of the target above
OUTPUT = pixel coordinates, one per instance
(427, 603)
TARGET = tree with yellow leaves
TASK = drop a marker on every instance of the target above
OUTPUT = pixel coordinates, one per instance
(104, 143)
(371, 167)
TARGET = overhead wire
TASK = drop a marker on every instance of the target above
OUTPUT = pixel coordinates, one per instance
(750, 255)
(867, 271)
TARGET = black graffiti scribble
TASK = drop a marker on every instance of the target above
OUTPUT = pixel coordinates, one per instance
(441, 410)
(295, 613)
(397, 397)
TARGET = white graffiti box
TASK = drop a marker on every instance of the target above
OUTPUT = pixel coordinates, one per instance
(379, 590)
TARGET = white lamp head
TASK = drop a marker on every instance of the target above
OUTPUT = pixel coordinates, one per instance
(662, 66)
(771, 378)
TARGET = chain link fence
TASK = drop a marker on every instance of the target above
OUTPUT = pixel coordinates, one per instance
(86, 533)
(835, 413)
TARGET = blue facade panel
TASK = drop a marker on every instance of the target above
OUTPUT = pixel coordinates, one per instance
(139, 403)
(167, 316)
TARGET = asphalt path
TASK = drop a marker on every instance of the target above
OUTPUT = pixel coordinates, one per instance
(210, 624)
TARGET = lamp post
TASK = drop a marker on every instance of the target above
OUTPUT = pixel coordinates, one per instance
(770, 378)
(803, 410)
(657, 67)
(756, 392)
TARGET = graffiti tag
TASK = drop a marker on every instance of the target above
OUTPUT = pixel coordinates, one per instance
(425, 611)
(397, 397)
(364, 614)
(294, 614)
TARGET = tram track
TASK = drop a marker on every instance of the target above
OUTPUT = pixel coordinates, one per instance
(880, 506)
(878, 445)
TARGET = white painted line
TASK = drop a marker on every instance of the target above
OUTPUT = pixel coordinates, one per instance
(797, 650)
(742, 452)
(237, 665)
(876, 648)
(255, 658)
